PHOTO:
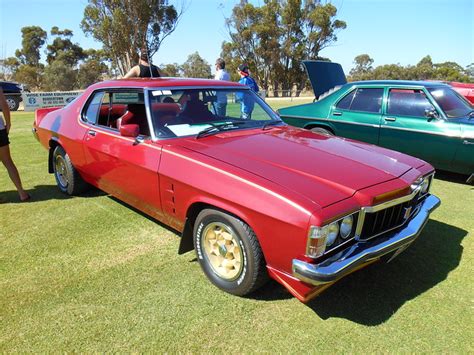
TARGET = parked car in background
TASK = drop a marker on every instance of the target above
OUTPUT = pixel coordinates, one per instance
(254, 197)
(12, 93)
(428, 120)
(465, 89)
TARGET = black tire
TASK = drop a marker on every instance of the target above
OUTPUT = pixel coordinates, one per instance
(250, 273)
(67, 178)
(321, 130)
(12, 102)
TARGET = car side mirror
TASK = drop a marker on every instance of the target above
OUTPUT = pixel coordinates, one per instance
(431, 114)
(129, 130)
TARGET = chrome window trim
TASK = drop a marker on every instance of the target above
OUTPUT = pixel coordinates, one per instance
(331, 120)
(421, 131)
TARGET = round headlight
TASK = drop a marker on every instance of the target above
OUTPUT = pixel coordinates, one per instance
(425, 185)
(346, 227)
(333, 231)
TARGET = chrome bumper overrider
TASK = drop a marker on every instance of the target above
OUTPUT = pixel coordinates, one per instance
(362, 252)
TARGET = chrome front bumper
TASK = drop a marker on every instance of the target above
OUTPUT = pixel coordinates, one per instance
(362, 252)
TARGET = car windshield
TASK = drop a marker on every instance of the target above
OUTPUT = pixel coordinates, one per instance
(187, 112)
(453, 104)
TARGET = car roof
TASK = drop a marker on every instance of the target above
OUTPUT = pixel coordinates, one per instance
(398, 82)
(165, 82)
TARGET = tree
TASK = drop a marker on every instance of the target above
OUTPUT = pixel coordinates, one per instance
(196, 67)
(172, 69)
(33, 38)
(126, 26)
(425, 69)
(363, 67)
(92, 69)
(59, 76)
(29, 75)
(63, 49)
(8, 67)
(274, 38)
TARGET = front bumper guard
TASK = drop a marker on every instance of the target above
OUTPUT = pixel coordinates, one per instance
(363, 252)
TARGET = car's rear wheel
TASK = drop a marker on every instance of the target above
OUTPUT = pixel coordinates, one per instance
(321, 130)
(12, 102)
(67, 178)
(229, 252)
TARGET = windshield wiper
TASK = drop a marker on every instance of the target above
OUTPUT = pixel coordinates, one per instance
(271, 123)
(216, 128)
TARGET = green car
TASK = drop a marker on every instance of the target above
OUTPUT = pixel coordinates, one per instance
(428, 120)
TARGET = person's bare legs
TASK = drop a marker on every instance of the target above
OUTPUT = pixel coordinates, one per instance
(6, 159)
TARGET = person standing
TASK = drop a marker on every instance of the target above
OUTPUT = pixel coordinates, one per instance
(221, 74)
(247, 102)
(144, 69)
(5, 156)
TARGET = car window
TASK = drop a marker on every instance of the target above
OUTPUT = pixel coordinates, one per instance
(408, 102)
(92, 110)
(453, 104)
(123, 108)
(346, 102)
(367, 100)
(186, 112)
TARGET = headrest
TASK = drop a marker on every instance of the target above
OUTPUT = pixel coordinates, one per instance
(165, 107)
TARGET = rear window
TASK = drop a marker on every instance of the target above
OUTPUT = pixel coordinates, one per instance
(363, 99)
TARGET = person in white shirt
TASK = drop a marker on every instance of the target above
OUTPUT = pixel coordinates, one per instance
(221, 74)
(5, 157)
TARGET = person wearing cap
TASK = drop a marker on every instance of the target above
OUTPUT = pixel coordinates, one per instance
(144, 69)
(247, 102)
(221, 74)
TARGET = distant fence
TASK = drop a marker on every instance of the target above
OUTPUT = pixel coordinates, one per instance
(287, 94)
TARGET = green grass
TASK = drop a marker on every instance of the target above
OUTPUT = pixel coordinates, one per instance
(91, 274)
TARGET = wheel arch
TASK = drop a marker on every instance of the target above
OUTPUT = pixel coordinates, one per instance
(53, 143)
(327, 126)
(186, 244)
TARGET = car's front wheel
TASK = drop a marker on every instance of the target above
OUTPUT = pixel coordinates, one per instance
(67, 178)
(229, 252)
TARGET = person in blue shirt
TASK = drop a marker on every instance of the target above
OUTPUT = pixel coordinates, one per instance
(247, 102)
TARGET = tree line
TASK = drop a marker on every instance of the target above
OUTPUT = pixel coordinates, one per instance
(425, 69)
(272, 39)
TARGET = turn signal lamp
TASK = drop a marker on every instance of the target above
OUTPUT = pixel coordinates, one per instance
(317, 241)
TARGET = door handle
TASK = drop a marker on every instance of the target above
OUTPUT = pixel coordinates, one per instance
(91, 132)
(390, 119)
(467, 142)
(337, 113)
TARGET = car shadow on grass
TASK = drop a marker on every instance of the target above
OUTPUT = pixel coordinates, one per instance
(372, 295)
(451, 177)
(44, 193)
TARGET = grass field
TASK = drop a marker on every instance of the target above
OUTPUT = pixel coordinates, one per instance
(91, 274)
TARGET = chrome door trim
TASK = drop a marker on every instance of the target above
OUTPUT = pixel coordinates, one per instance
(330, 120)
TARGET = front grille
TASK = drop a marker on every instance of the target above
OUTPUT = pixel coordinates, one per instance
(376, 223)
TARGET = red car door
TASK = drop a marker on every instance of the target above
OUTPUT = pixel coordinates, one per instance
(123, 166)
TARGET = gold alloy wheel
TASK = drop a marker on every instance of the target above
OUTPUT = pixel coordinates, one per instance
(222, 250)
(61, 171)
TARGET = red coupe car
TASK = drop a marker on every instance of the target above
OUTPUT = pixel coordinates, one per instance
(254, 197)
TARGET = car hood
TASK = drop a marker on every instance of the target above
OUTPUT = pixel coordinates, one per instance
(321, 168)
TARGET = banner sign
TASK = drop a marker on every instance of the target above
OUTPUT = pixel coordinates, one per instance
(35, 100)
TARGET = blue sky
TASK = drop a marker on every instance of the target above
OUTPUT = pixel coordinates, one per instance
(390, 31)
